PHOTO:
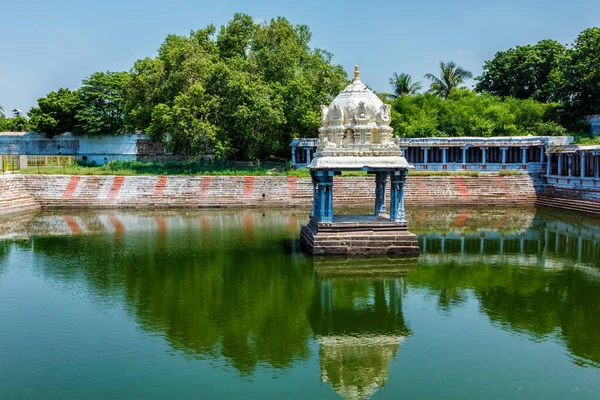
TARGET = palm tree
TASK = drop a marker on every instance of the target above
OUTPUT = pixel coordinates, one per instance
(1, 111)
(452, 77)
(403, 85)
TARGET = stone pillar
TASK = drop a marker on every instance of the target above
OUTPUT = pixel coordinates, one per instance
(397, 180)
(464, 154)
(444, 155)
(582, 165)
(21, 162)
(549, 164)
(597, 167)
(542, 152)
(325, 189)
(560, 159)
(503, 151)
(425, 153)
(322, 194)
(570, 165)
(294, 155)
(307, 155)
(524, 155)
(316, 212)
(483, 160)
(380, 182)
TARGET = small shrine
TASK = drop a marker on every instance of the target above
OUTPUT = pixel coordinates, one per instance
(355, 135)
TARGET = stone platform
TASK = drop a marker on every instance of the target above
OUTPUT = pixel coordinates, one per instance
(358, 235)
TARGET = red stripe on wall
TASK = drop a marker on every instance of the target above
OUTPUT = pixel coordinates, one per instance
(160, 185)
(248, 186)
(75, 229)
(116, 186)
(71, 186)
(292, 184)
(462, 186)
(205, 185)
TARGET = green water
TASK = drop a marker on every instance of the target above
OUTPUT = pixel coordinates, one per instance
(116, 305)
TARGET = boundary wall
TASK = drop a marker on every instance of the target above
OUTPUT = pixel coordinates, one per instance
(574, 199)
(13, 196)
(148, 192)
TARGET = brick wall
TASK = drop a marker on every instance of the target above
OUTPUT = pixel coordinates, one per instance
(13, 197)
(57, 191)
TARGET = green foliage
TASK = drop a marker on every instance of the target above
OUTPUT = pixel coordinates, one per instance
(402, 85)
(55, 113)
(523, 72)
(14, 124)
(581, 76)
(452, 77)
(244, 94)
(102, 104)
(551, 72)
(465, 113)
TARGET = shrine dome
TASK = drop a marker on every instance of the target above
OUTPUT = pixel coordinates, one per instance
(355, 132)
(355, 105)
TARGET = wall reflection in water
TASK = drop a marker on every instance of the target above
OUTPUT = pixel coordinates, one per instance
(234, 285)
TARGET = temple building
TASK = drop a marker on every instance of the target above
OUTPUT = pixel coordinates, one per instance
(355, 135)
(493, 154)
(574, 167)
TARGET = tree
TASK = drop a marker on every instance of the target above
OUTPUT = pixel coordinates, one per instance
(466, 113)
(16, 124)
(523, 72)
(580, 76)
(244, 94)
(2, 115)
(101, 104)
(402, 85)
(452, 77)
(56, 113)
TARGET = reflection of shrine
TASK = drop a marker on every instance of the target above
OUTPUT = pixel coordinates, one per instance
(359, 326)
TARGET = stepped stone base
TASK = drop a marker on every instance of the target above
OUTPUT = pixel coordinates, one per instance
(358, 235)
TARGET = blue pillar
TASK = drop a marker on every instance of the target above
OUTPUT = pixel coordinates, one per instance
(329, 216)
(323, 195)
(380, 182)
(398, 178)
(316, 201)
(560, 159)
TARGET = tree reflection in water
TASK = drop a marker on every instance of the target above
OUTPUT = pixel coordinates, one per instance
(220, 285)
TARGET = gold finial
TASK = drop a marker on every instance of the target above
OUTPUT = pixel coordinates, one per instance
(356, 73)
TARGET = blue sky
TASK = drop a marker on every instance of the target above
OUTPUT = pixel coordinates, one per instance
(50, 44)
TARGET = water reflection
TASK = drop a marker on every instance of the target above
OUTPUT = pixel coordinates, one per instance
(359, 326)
(221, 286)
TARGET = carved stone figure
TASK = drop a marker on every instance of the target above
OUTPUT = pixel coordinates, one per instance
(324, 112)
(384, 114)
(338, 114)
(361, 112)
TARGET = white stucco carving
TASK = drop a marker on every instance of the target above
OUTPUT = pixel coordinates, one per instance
(356, 124)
